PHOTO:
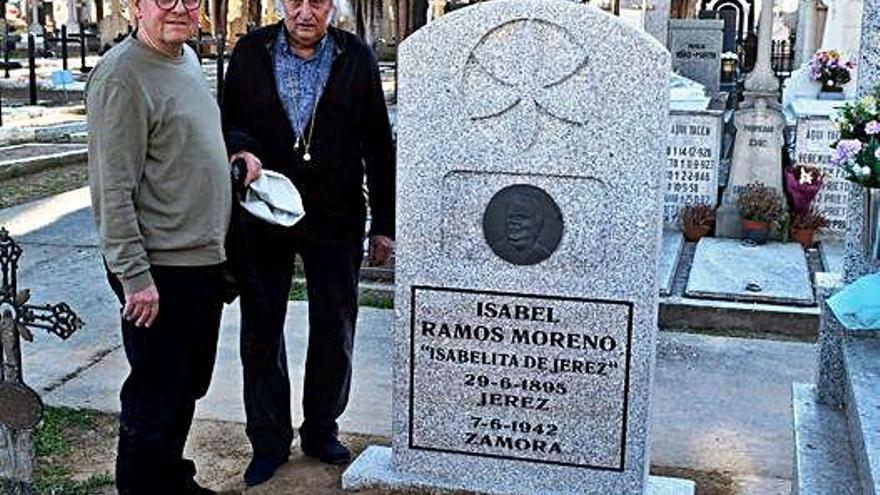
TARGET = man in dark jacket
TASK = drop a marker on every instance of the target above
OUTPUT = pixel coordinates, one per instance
(306, 100)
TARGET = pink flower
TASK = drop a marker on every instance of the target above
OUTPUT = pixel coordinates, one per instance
(872, 127)
(846, 150)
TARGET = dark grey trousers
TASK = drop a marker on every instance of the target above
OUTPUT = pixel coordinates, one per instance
(171, 366)
(264, 272)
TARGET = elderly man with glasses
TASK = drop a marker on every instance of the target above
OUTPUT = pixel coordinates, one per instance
(161, 197)
(305, 99)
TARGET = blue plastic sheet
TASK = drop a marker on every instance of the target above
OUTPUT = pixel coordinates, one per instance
(857, 306)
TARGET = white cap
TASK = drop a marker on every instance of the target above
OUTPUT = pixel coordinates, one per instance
(273, 198)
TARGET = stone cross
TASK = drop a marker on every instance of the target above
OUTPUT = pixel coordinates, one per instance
(805, 44)
(35, 26)
(762, 79)
(22, 406)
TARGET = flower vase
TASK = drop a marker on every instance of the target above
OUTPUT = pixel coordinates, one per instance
(693, 233)
(803, 236)
(831, 92)
(756, 232)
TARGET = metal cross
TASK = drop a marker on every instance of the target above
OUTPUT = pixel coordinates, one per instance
(22, 408)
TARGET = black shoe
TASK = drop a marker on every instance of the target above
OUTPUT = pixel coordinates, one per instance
(261, 469)
(329, 451)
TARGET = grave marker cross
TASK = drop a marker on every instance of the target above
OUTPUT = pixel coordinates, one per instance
(22, 408)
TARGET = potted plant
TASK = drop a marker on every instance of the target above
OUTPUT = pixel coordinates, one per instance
(760, 207)
(804, 226)
(696, 221)
(829, 68)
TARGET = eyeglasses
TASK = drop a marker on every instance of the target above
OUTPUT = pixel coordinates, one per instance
(313, 4)
(169, 5)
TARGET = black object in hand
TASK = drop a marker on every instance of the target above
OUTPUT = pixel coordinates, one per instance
(238, 174)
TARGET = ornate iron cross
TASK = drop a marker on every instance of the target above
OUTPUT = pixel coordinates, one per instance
(17, 318)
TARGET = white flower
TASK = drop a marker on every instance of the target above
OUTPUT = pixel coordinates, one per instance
(865, 171)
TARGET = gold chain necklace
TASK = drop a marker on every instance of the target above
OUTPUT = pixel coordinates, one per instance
(307, 142)
(300, 136)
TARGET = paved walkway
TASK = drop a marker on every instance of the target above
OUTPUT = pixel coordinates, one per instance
(719, 404)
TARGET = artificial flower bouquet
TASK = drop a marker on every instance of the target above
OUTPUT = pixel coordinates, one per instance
(857, 151)
(829, 68)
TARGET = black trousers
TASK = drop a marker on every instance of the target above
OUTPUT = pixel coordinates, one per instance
(171, 365)
(265, 271)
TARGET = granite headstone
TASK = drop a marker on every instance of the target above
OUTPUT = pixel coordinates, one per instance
(530, 172)
(816, 131)
(757, 157)
(692, 158)
(696, 46)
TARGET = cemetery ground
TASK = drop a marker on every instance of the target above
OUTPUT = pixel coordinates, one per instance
(75, 457)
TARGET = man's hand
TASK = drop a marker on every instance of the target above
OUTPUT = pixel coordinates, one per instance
(381, 248)
(254, 165)
(142, 306)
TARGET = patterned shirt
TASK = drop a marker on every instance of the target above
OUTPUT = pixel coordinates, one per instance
(300, 82)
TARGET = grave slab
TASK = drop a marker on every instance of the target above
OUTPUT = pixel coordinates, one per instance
(374, 469)
(730, 269)
(673, 243)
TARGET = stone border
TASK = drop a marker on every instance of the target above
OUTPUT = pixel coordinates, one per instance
(62, 132)
(17, 168)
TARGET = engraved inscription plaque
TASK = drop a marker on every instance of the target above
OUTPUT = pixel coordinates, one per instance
(518, 376)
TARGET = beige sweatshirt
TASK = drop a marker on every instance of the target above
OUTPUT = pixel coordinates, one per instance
(158, 170)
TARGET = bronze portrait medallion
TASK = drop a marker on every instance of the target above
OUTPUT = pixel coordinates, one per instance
(522, 224)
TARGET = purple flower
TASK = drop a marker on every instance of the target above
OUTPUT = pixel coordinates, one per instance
(846, 150)
(872, 127)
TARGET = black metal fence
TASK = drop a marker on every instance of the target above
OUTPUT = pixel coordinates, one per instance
(58, 45)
